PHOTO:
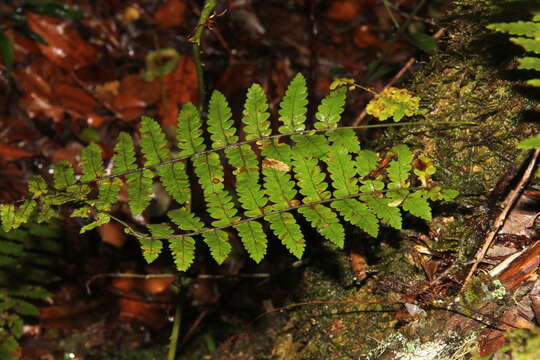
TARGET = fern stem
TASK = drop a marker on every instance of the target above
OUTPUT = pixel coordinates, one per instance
(271, 137)
(173, 343)
(209, 6)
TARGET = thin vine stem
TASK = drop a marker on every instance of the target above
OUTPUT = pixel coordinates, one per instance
(207, 10)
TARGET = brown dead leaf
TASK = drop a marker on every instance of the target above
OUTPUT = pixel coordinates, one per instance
(148, 314)
(180, 88)
(170, 14)
(74, 98)
(11, 152)
(111, 233)
(345, 10)
(64, 45)
(157, 285)
(364, 37)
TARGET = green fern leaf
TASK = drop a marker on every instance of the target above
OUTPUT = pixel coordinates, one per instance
(529, 63)
(220, 123)
(152, 246)
(91, 163)
(153, 142)
(253, 238)
(326, 222)
(139, 191)
(210, 174)
(25, 308)
(523, 28)
(218, 242)
(250, 194)
(391, 215)
(358, 214)
(64, 176)
(154, 147)
(329, 111)
(183, 251)
(183, 248)
(108, 193)
(312, 145)
(530, 143)
(7, 211)
(366, 162)
(399, 169)
(246, 170)
(532, 45)
(342, 172)
(13, 217)
(102, 219)
(124, 157)
(344, 138)
(311, 180)
(37, 186)
(189, 132)
(256, 114)
(416, 204)
(288, 231)
(293, 107)
(185, 219)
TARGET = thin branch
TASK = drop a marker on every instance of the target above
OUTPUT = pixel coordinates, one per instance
(207, 10)
(499, 221)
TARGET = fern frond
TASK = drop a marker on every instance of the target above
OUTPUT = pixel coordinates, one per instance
(293, 107)
(342, 172)
(253, 238)
(256, 114)
(358, 214)
(417, 204)
(244, 160)
(124, 157)
(64, 175)
(532, 45)
(326, 222)
(366, 162)
(344, 138)
(522, 28)
(329, 111)
(400, 168)
(37, 186)
(220, 123)
(217, 240)
(91, 163)
(189, 132)
(383, 210)
(155, 149)
(183, 251)
(288, 231)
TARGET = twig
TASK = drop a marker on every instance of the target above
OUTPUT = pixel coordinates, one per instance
(209, 6)
(499, 221)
